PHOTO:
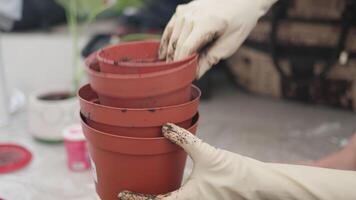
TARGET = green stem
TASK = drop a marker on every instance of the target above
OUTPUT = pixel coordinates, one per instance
(73, 27)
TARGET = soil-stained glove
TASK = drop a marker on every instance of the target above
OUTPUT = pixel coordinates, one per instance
(222, 175)
(215, 28)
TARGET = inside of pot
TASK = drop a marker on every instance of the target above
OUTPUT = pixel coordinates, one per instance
(193, 122)
(136, 52)
(138, 60)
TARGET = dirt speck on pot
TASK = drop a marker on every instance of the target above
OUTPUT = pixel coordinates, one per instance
(125, 59)
(124, 110)
(151, 110)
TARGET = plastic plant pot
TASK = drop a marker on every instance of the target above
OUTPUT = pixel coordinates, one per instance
(135, 122)
(135, 58)
(156, 89)
(145, 165)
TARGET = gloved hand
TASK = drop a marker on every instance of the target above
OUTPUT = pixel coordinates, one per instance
(214, 28)
(219, 174)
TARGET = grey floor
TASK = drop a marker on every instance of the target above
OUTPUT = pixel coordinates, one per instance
(271, 129)
(259, 127)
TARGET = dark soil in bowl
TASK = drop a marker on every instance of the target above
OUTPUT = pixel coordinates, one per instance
(55, 96)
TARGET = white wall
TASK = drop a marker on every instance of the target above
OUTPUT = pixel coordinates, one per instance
(34, 61)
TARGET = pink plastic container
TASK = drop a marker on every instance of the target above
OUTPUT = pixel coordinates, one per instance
(76, 148)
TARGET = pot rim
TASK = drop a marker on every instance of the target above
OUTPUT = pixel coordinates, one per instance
(138, 117)
(194, 124)
(100, 58)
(196, 98)
(93, 72)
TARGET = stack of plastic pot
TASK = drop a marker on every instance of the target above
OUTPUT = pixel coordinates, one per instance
(130, 96)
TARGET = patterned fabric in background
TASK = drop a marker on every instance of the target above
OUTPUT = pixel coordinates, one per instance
(289, 50)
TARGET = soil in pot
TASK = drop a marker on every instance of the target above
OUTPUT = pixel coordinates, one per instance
(135, 122)
(156, 89)
(135, 58)
(145, 165)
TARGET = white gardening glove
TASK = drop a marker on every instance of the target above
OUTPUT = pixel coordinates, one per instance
(223, 25)
(222, 175)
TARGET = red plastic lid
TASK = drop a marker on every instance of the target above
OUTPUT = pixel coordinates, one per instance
(13, 157)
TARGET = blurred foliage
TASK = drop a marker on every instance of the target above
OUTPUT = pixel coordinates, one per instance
(122, 4)
(139, 37)
(85, 11)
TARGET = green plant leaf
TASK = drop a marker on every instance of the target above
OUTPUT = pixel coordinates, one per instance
(86, 10)
(122, 4)
(139, 36)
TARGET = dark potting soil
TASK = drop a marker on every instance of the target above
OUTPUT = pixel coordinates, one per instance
(56, 96)
(148, 60)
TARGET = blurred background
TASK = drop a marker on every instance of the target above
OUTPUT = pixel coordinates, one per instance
(287, 95)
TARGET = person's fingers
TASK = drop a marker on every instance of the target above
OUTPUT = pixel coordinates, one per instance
(162, 53)
(201, 35)
(194, 146)
(219, 50)
(186, 192)
(128, 195)
(186, 30)
(203, 66)
(174, 38)
(180, 137)
(206, 61)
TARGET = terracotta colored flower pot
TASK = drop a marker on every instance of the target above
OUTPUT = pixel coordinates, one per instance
(134, 122)
(135, 58)
(156, 89)
(145, 165)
